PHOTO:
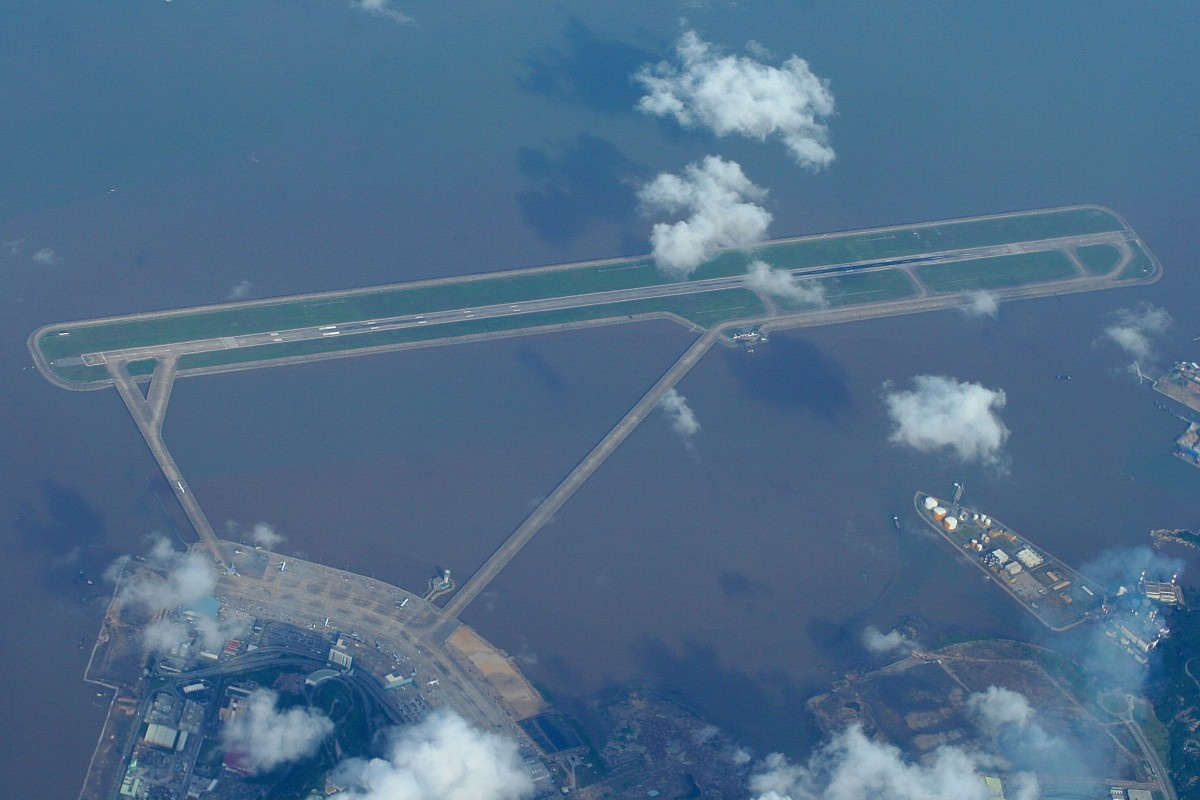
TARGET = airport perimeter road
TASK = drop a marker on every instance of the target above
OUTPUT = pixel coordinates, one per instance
(661, 291)
(544, 512)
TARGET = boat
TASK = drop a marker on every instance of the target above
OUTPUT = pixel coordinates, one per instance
(896, 521)
(1053, 592)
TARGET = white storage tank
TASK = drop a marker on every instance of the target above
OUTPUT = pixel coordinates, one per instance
(930, 503)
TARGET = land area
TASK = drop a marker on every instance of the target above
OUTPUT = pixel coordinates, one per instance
(307, 623)
(921, 703)
(859, 274)
(298, 618)
(1182, 384)
(1173, 688)
(1049, 589)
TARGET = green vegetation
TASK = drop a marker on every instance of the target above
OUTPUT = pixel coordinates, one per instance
(854, 247)
(1139, 266)
(1155, 732)
(144, 366)
(81, 374)
(1172, 690)
(1099, 259)
(868, 287)
(516, 287)
(359, 305)
(997, 272)
(701, 308)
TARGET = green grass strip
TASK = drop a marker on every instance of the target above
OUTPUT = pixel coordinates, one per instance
(1139, 266)
(705, 308)
(998, 272)
(1098, 259)
(360, 305)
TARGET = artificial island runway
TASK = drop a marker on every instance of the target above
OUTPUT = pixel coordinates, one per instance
(882, 272)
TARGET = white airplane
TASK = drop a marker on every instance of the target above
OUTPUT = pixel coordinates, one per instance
(403, 603)
(432, 682)
(327, 622)
(282, 566)
(230, 569)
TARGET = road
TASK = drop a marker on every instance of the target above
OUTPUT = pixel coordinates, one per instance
(148, 412)
(780, 318)
(584, 470)
(149, 417)
(1156, 765)
(367, 611)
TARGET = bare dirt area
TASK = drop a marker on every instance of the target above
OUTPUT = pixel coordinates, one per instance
(497, 668)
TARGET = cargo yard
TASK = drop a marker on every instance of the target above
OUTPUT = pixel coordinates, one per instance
(1187, 446)
(1056, 594)
(1182, 384)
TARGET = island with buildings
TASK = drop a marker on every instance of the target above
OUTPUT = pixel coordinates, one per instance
(374, 655)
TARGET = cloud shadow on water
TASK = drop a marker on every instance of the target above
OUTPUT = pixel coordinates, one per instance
(594, 72)
(573, 186)
(67, 531)
(781, 720)
(540, 368)
(792, 373)
(738, 585)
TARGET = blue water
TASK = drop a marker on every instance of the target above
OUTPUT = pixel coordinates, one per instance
(167, 152)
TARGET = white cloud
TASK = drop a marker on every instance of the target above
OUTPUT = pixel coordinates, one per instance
(182, 579)
(981, 304)
(382, 8)
(997, 707)
(46, 257)
(736, 94)
(880, 643)
(1010, 720)
(683, 419)
(187, 577)
(942, 413)
(265, 536)
(266, 737)
(714, 196)
(241, 291)
(1135, 327)
(761, 277)
(441, 757)
(854, 767)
